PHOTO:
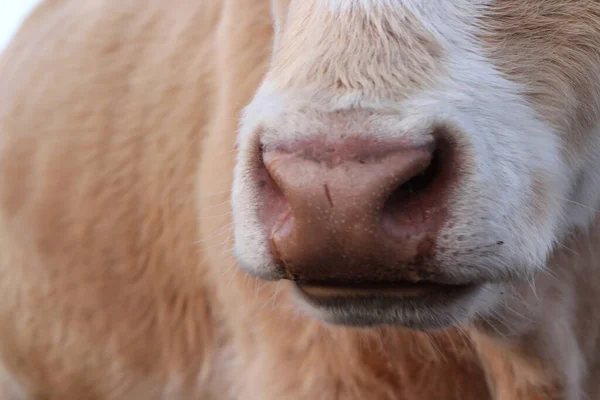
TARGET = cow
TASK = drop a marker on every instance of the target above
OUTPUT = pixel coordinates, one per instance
(301, 199)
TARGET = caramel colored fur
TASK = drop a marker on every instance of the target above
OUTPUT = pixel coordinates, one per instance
(118, 125)
(106, 112)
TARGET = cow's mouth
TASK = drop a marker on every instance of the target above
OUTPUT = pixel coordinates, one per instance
(420, 305)
(403, 289)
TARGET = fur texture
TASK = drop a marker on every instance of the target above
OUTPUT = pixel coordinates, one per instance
(118, 140)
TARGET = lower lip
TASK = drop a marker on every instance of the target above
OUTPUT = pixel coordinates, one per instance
(405, 290)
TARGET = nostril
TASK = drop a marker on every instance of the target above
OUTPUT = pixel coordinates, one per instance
(416, 205)
(417, 184)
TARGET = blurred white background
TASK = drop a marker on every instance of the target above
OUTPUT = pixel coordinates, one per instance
(12, 13)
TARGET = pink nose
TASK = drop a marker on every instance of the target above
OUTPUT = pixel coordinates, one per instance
(355, 210)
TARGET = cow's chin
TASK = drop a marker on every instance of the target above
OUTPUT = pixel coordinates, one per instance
(422, 306)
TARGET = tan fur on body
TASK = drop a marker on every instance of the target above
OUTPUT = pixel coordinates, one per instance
(118, 127)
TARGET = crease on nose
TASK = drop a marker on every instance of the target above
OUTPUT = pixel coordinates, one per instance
(338, 222)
